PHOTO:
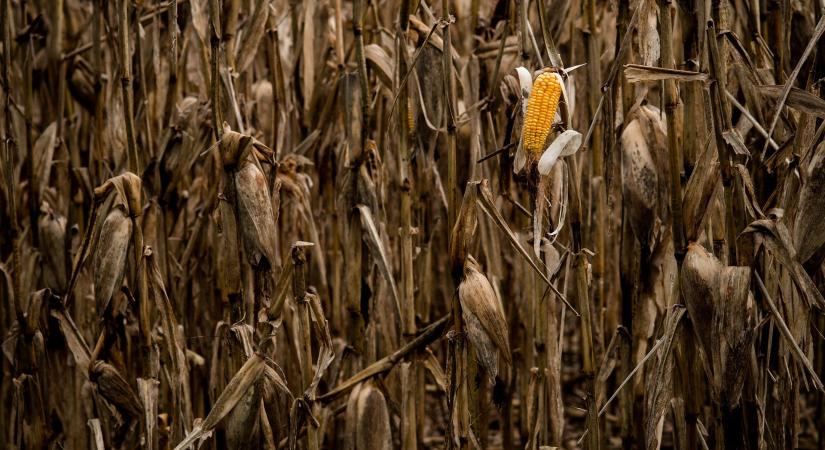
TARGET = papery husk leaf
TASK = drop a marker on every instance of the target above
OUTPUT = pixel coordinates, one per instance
(116, 390)
(255, 216)
(699, 282)
(563, 145)
(52, 229)
(368, 420)
(733, 329)
(110, 257)
(481, 307)
(639, 181)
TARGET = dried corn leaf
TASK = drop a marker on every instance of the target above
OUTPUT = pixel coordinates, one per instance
(797, 98)
(636, 73)
(237, 388)
(376, 246)
(808, 226)
(659, 384)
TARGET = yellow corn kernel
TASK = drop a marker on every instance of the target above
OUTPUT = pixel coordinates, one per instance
(541, 110)
(410, 116)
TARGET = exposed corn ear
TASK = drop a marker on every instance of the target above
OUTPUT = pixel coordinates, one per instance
(410, 116)
(110, 257)
(541, 110)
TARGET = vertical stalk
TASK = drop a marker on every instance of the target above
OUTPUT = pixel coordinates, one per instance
(593, 441)
(457, 385)
(596, 207)
(299, 285)
(126, 86)
(409, 439)
(214, 87)
(9, 146)
(34, 195)
(172, 85)
(97, 56)
(361, 60)
(722, 123)
(677, 222)
(674, 156)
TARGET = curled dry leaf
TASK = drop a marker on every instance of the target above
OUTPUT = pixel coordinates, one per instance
(565, 144)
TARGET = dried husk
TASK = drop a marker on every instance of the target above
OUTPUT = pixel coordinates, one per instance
(110, 256)
(255, 217)
(234, 392)
(733, 330)
(368, 420)
(115, 389)
(241, 425)
(808, 226)
(482, 313)
(699, 284)
(639, 181)
(52, 229)
(81, 82)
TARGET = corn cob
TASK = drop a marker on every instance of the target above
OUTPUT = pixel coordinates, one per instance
(410, 116)
(541, 110)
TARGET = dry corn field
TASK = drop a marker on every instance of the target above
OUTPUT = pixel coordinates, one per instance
(412, 224)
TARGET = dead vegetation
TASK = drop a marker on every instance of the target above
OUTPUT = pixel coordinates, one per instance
(376, 224)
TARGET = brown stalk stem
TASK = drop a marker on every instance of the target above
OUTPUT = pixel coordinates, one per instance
(126, 87)
(299, 285)
(361, 60)
(721, 124)
(33, 181)
(674, 155)
(215, 78)
(458, 388)
(10, 147)
(596, 229)
(588, 350)
(409, 382)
